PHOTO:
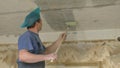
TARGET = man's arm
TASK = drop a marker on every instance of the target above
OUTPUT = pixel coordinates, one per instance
(28, 57)
(52, 48)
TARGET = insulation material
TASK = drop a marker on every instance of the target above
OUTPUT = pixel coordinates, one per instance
(82, 53)
(88, 52)
(8, 55)
(62, 66)
(107, 52)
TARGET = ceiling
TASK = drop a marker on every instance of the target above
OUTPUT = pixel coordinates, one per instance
(88, 14)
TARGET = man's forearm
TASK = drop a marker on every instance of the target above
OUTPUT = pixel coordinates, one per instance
(55, 46)
(52, 48)
(27, 57)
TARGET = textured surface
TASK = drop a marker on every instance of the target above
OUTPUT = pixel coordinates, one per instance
(57, 19)
(80, 54)
(89, 14)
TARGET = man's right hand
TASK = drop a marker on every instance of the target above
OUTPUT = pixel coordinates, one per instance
(51, 56)
(63, 36)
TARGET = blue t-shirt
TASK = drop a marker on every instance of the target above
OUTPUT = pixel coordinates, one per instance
(31, 42)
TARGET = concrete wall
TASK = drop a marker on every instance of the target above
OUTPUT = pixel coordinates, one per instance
(78, 35)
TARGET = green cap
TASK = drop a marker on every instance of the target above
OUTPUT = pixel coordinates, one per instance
(31, 18)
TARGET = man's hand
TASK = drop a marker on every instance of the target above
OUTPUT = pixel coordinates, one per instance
(63, 36)
(51, 56)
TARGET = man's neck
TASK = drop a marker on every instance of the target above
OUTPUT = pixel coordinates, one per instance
(33, 30)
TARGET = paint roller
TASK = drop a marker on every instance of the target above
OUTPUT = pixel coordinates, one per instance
(68, 24)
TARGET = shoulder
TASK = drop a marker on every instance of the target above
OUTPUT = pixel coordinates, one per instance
(25, 35)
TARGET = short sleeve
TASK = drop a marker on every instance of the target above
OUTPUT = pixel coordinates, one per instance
(25, 42)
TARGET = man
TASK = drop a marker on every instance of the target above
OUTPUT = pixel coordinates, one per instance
(32, 53)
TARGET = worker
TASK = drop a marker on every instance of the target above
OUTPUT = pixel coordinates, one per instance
(32, 52)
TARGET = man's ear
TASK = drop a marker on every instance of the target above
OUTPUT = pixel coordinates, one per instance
(37, 22)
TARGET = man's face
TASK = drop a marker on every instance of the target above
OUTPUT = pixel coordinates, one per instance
(39, 25)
